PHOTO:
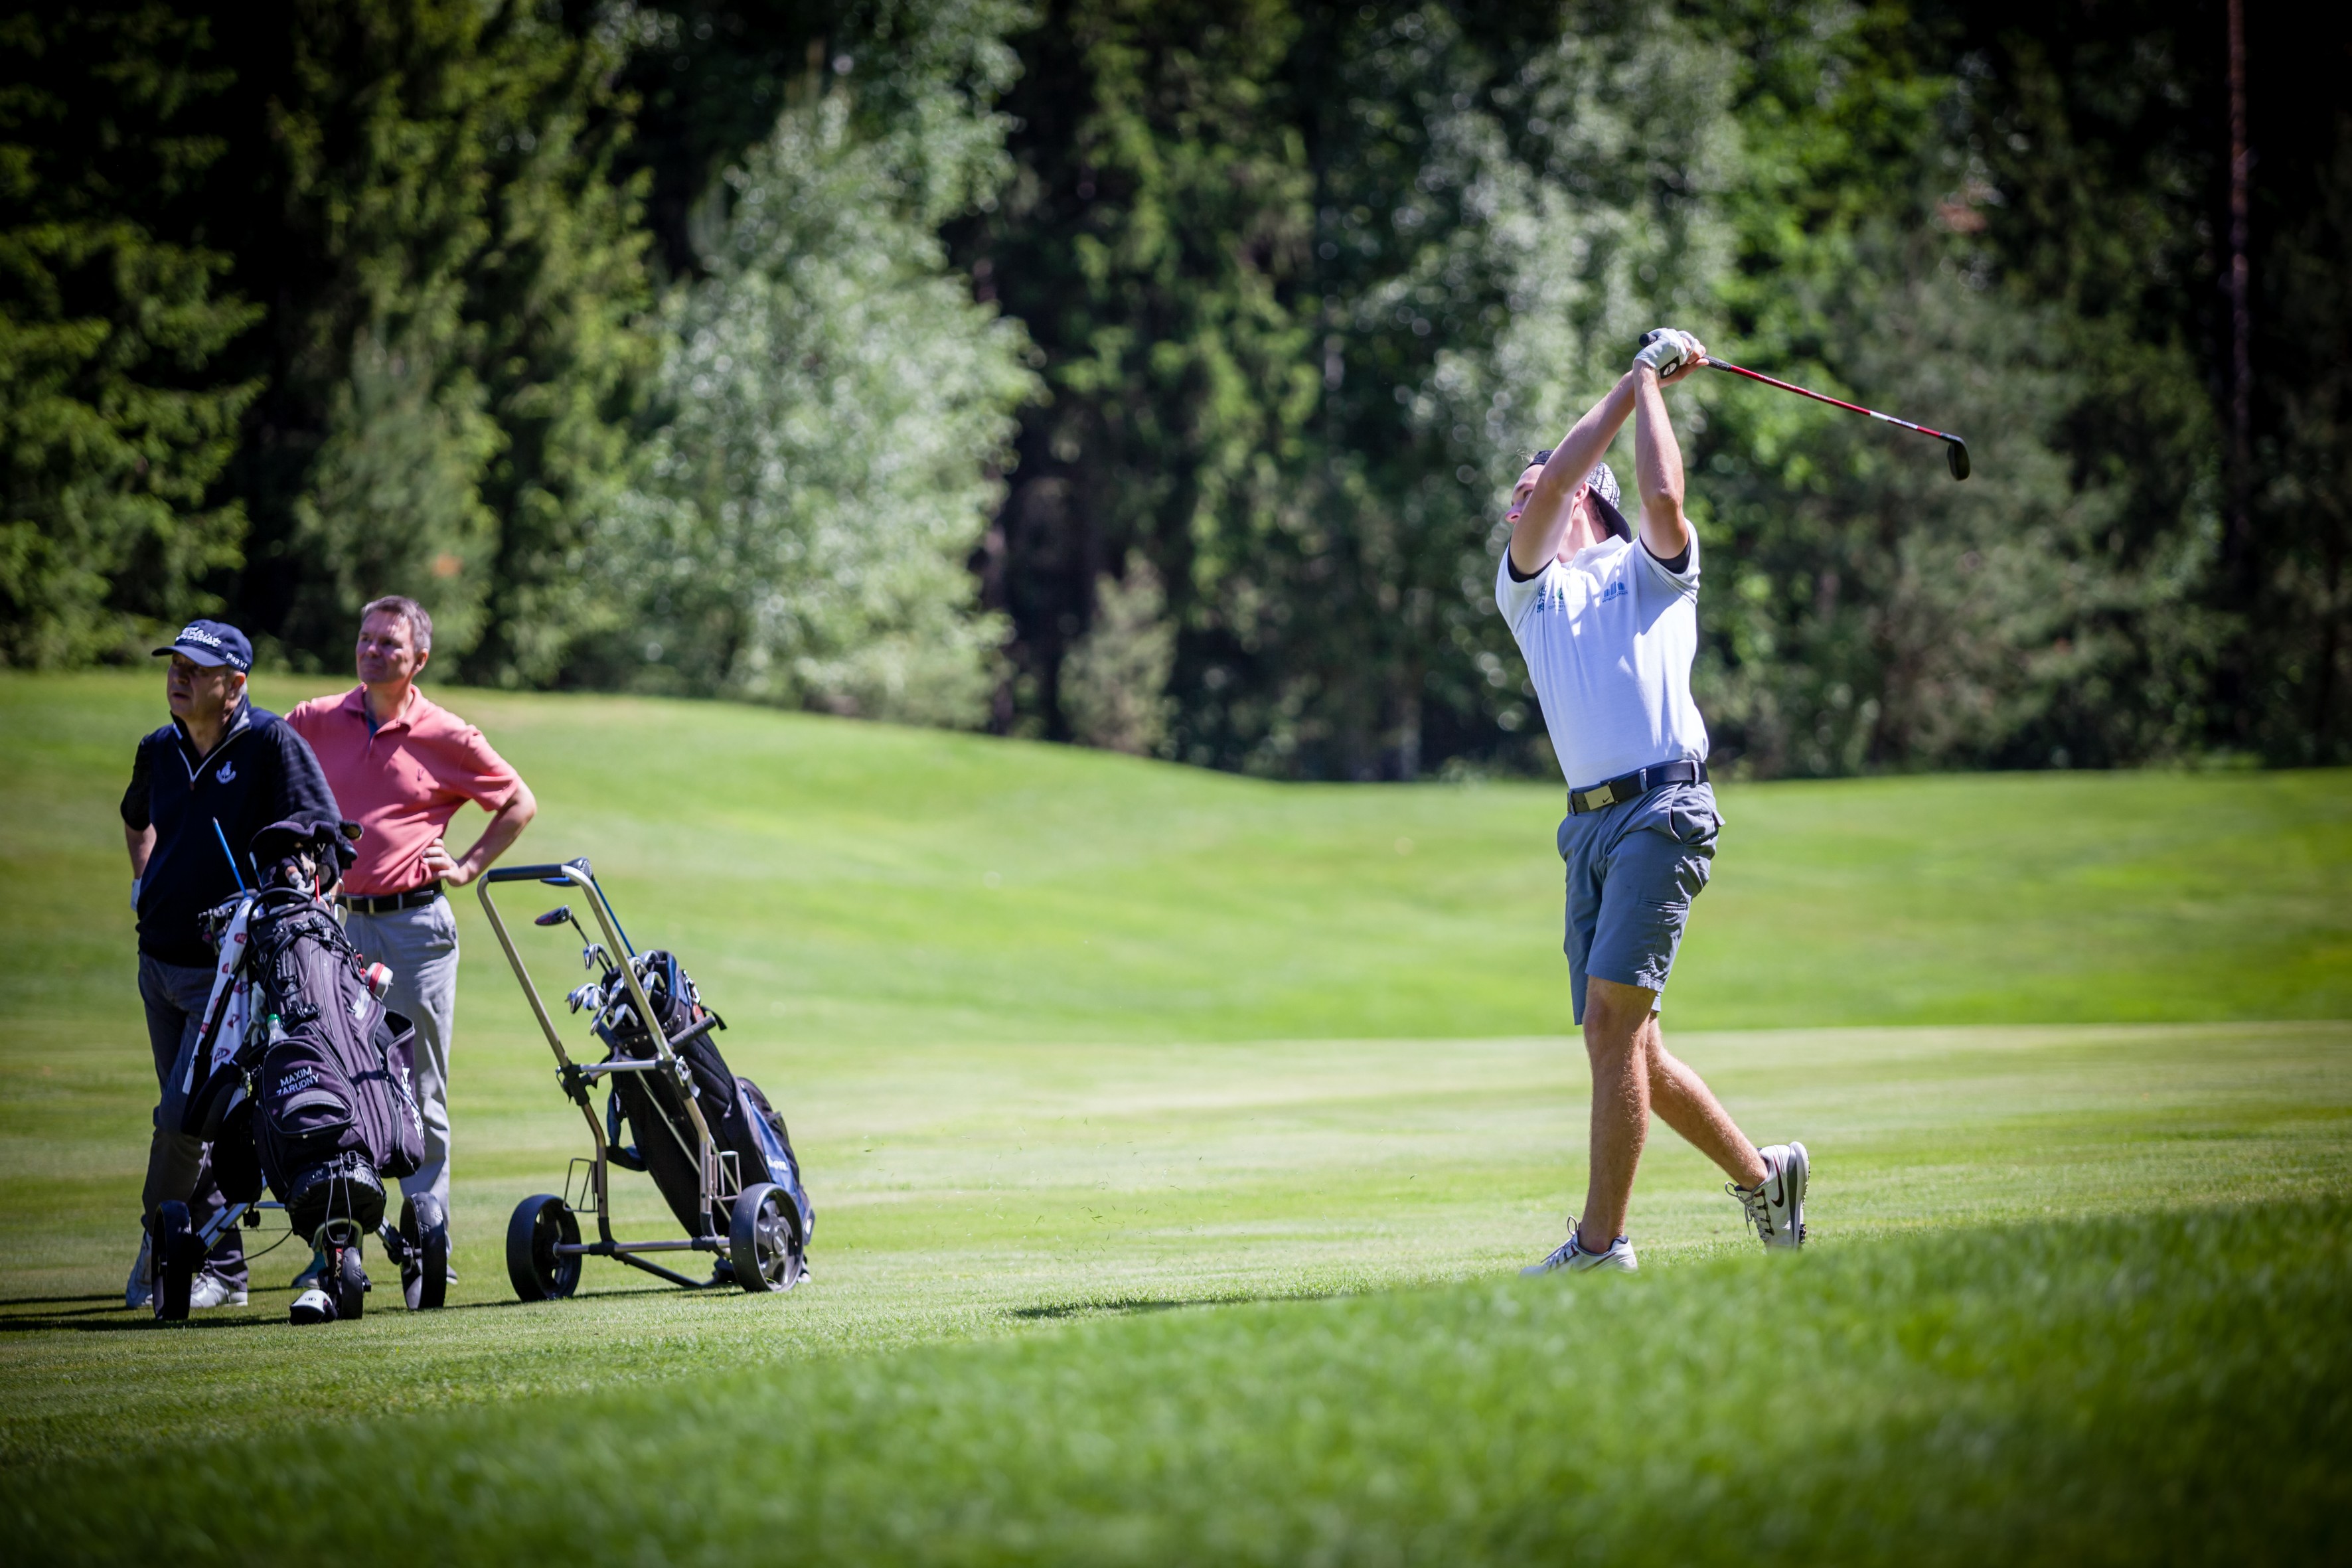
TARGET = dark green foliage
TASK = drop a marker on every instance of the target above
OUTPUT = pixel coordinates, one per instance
(1865, 611)
(117, 415)
(2301, 549)
(449, 352)
(1151, 239)
(833, 401)
(1305, 281)
(2102, 132)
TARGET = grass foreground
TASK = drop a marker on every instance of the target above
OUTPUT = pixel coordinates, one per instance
(1174, 1139)
(2160, 1388)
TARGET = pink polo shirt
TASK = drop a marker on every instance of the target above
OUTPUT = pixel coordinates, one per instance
(403, 781)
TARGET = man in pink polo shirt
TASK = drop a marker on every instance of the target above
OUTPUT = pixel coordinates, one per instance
(401, 766)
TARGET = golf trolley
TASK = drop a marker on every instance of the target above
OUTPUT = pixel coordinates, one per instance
(713, 1145)
(422, 1236)
(301, 1078)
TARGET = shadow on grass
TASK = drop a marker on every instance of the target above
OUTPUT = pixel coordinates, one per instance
(8, 1301)
(124, 1320)
(110, 1317)
(1129, 1306)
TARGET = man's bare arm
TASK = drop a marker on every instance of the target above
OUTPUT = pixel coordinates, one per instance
(506, 826)
(1658, 463)
(141, 842)
(1543, 521)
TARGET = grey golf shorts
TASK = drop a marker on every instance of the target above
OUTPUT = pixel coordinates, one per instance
(1632, 870)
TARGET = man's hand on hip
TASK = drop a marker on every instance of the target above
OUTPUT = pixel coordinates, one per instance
(441, 866)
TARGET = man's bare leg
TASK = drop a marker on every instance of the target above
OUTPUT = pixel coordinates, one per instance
(1632, 1075)
(1616, 1018)
(1684, 1103)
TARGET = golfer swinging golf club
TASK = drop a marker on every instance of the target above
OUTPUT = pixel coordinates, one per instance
(1609, 625)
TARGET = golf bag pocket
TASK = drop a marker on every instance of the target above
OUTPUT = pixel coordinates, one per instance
(341, 1110)
(308, 1109)
(388, 1091)
(306, 1127)
(236, 1162)
(756, 1127)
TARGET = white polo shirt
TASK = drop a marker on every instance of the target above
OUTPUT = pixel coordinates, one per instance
(1608, 636)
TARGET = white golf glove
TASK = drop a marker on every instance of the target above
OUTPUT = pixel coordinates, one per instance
(1666, 350)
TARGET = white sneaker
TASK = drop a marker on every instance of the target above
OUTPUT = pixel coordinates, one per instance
(1776, 1205)
(209, 1290)
(1571, 1256)
(139, 1290)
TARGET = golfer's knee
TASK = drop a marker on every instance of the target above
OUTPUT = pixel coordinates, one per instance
(1615, 1016)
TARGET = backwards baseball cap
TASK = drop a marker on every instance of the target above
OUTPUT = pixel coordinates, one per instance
(212, 643)
(1602, 483)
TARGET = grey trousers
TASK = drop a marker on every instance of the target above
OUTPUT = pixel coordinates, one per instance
(179, 1166)
(420, 947)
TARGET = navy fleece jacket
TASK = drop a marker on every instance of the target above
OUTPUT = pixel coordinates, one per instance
(261, 772)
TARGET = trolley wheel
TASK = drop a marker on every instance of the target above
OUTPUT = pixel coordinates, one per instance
(764, 1239)
(425, 1270)
(176, 1257)
(347, 1281)
(540, 1273)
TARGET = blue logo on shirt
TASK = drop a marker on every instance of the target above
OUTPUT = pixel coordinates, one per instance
(1616, 590)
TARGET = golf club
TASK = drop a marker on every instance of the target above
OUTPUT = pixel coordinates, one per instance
(1956, 451)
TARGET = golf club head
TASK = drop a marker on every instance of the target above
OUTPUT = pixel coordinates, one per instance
(555, 917)
(1956, 456)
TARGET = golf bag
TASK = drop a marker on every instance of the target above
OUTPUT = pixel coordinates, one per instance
(651, 1107)
(321, 1073)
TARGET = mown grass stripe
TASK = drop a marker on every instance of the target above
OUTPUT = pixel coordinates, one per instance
(2152, 1388)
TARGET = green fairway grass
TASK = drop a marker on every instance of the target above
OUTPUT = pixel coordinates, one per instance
(1065, 1037)
(2048, 1392)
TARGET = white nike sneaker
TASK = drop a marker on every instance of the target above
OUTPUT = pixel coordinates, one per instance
(209, 1290)
(1776, 1205)
(1571, 1256)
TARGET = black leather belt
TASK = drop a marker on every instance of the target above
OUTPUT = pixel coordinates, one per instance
(1626, 786)
(385, 903)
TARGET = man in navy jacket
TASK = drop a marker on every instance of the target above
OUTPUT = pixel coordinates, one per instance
(201, 787)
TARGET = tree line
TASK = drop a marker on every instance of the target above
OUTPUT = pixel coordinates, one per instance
(1147, 372)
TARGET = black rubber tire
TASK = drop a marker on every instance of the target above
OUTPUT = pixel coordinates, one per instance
(537, 1271)
(347, 1281)
(764, 1239)
(425, 1230)
(175, 1259)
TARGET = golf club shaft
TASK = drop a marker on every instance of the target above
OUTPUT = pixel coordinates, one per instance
(1714, 363)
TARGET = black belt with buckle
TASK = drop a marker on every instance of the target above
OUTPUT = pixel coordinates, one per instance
(385, 903)
(1639, 781)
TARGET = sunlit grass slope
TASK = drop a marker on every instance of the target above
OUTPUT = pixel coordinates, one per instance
(845, 882)
(1064, 1036)
(984, 1190)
